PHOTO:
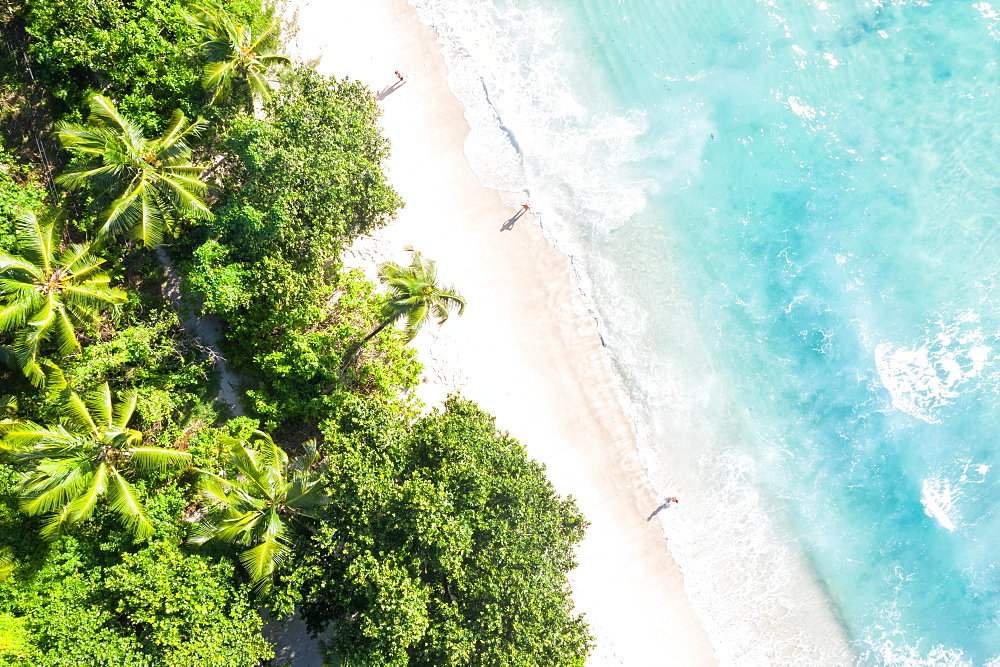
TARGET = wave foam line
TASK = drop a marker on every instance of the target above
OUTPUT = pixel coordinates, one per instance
(529, 134)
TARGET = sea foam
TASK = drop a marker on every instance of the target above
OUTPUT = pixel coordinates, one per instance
(532, 137)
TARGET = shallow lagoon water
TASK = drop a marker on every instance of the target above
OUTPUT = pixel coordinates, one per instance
(784, 217)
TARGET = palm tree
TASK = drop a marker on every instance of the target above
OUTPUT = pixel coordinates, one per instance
(415, 296)
(45, 293)
(254, 508)
(236, 53)
(86, 456)
(143, 182)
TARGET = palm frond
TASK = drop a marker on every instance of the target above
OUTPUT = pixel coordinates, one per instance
(64, 332)
(56, 523)
(84, 139)
(158, 459)
(82, 507)
(17, 314)
(34, 240)
(261, 561)
(22, 435)
(126, 211)
(98, 406)
(125, 503)
(125, 408)
(185, 193)
(104, 112)
(217, 78)
(75, 413)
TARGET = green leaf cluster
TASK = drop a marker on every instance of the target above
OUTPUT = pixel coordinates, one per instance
(185, 609)
(157, 607)
(443, 544)
(19, 191)
(300, 185)
(138, 50)
(301, 376)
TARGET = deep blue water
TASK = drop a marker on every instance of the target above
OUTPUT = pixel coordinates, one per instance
(785, 216)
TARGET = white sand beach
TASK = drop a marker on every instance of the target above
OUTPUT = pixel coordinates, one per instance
(527, 350)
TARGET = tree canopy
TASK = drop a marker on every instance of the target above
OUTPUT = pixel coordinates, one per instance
(443, 544)
(72, 465)
(255, 507)
(47, 293)
(144, 183)
(239, 53)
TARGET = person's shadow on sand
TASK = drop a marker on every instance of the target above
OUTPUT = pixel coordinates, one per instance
(507, 226)
(662, 507)
(391, 88)
(512, 220)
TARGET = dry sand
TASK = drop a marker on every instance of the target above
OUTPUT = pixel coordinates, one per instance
(527, 350)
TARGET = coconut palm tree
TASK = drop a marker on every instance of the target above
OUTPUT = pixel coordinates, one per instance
(86, 456)
(238, 54)
(144, 183)
(414, 295)
(46, 293)
(254, 508)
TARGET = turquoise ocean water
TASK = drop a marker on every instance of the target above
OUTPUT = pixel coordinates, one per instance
(784, 215)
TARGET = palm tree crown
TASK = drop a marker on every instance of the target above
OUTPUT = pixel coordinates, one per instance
(143, 182)
(46, 293)
(415, 296)
(236, 53)
(73, 464)
(253, 508)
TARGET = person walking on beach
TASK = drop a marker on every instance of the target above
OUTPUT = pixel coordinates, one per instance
(665, 505)
(391, 88)
(517, 216)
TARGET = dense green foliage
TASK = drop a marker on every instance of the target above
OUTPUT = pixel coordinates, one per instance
(47, 294)
(300, 185)
(416, 539)
(300, 377)
(141, 50)
(143, 183)
(18, 192)
(98, 598)
(444, 545)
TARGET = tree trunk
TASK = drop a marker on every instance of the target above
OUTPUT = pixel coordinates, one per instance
(353, 353)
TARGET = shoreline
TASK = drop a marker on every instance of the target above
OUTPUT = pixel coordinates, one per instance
(527, 350)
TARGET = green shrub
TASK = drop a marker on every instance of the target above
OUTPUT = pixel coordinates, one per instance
(443, 545)
(185, 609)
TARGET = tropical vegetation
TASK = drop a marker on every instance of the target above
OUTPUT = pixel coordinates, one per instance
(47, 294)
(144, 521)
(140, 184)
(71, 466)
(238, 53)
(255, 507)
